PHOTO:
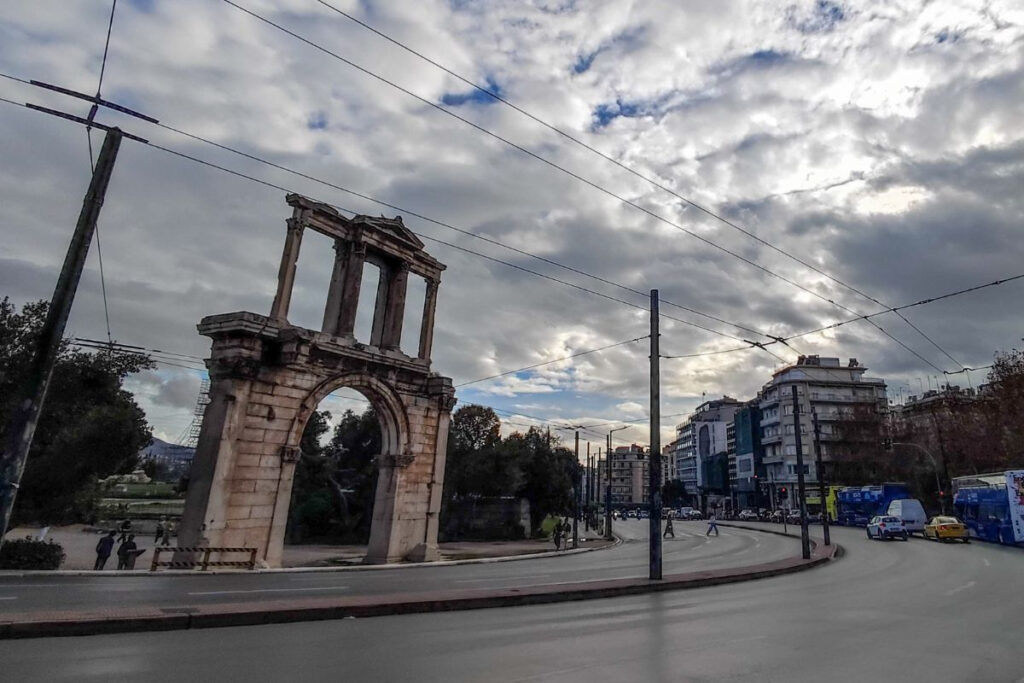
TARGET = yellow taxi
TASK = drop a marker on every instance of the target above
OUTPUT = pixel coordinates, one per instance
(943, 528)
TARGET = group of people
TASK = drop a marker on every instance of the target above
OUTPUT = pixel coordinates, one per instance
(128, 550)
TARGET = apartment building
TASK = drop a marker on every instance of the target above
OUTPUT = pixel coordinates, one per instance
(834, 391)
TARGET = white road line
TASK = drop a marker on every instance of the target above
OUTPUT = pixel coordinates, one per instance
(12, 598)
(987, 563)
(969, 584)
(502, 578)
(271, 590)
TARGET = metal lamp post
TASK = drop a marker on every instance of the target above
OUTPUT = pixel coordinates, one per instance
(608, 485)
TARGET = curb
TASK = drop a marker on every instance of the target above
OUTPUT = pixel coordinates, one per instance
(248, 614)
(15, 574)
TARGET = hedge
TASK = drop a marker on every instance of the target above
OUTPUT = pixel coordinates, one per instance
(31, 554)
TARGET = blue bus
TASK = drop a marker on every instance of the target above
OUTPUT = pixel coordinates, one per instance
(856, 505)
(982, 502)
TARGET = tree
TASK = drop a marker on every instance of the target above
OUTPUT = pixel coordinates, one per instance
(335, 483)
(89, 428)
(550, 473)
(477, 465)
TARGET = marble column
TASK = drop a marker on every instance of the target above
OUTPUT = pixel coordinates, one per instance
(286, 273)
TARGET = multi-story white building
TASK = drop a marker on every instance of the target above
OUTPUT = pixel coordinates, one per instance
(834, 391)
(702, 436)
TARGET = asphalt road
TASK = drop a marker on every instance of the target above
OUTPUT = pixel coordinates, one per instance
(886, 611)
(691, 550)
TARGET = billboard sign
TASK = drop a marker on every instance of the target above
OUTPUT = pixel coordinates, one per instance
(1015, 492)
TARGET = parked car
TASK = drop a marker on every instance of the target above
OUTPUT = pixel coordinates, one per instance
(945, 528)
(911, 512)
(747, 516)
(777, 516)
(887, 527)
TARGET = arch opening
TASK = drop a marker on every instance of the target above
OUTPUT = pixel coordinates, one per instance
(335, 479)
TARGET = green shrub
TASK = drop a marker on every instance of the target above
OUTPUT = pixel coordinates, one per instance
(31, 554)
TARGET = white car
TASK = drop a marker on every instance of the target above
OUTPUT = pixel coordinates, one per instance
(885, 527)
(747, 516)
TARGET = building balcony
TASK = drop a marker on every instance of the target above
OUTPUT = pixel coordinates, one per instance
(765, 440)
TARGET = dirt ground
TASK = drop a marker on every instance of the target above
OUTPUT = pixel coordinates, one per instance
(79, 544)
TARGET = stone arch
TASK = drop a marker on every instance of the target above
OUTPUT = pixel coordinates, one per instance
(268, 376)
(394, 422)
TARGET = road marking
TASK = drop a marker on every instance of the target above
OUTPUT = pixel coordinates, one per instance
(969, 584)
(271, 590)
(502, 578)
(987, 563)
(12, 598)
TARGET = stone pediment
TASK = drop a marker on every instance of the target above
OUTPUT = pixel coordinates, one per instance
(393, 227)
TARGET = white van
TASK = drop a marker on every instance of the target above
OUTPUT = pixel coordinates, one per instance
(911, 512)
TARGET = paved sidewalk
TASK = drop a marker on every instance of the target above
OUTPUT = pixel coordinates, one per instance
(79, 543)
(89, 622)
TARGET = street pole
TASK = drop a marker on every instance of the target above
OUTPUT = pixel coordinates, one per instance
(805, 539)
(608, 485)
(589, 491)
(22, 423)
(608, 489)
(821, 476)
(654, 469)
(576, 497)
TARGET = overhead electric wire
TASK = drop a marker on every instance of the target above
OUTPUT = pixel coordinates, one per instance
(498, 98)
(410, 212)
(572, 174)
(283, 189)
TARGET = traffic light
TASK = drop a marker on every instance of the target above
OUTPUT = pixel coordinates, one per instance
(783, 493)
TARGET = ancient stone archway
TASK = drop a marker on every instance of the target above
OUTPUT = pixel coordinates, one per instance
(268, 376)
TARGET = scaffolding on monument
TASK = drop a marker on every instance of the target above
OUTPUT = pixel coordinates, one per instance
(197, 415)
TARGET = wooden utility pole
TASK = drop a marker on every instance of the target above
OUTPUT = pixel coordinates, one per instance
(654, 470)
(21, 426)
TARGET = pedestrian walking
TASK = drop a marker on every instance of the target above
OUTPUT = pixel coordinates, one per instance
(159, 529)
(712, 525)
(668, 528)
(125, 552)
(103, 549)
(556, 534)
(168, 530)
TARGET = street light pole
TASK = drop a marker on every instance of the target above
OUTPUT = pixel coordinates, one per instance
(608, 485)
(576, 496)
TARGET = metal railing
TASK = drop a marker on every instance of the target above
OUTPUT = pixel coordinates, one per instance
(205, 561)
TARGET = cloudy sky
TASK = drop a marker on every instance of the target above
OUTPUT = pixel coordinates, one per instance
(879, 142)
